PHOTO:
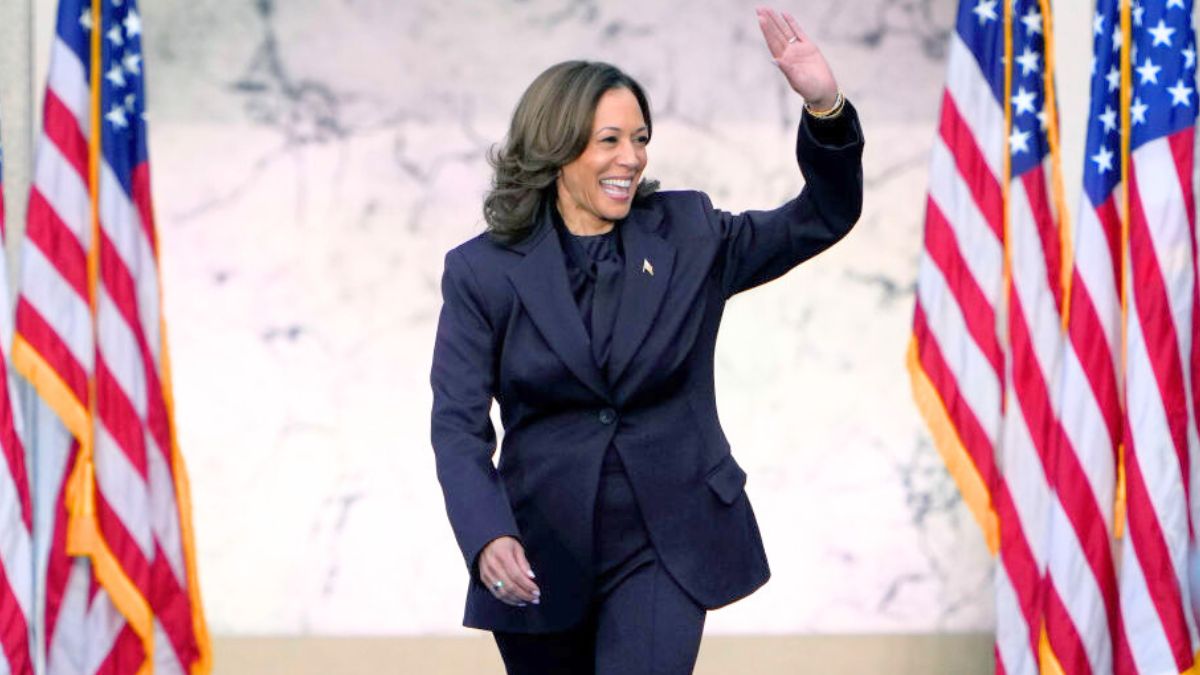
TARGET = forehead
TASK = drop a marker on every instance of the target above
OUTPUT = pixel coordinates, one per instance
(618, 108)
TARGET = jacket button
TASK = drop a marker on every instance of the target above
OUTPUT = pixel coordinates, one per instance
(608, 416)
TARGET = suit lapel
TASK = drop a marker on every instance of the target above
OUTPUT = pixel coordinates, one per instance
(648, 263)
(541, 283)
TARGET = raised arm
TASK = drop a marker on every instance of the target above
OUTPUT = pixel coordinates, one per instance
(762, 245)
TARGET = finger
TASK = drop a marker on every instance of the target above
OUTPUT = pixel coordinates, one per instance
(527, 572)
(780, 25)
(775, 40)
(519, 554)
(490, 573)
(515, 579)
(503, 593)
(794, 26)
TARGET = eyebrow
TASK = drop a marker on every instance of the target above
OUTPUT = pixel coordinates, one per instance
(641, 128)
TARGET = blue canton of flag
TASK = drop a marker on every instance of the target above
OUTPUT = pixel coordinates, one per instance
(981, 24)
(1164, 74)
(122, 91)
(1027, 141)
(1164, 70)
(1102, 171)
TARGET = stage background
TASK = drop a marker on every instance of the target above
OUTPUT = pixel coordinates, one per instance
(312, 161)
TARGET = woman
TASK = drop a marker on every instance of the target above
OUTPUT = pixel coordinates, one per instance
(616, 517)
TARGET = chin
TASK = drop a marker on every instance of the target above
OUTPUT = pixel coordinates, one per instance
(616, 213)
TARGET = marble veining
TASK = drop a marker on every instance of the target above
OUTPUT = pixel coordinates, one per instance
(314, 159)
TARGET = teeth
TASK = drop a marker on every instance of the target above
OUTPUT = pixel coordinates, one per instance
(621, 183)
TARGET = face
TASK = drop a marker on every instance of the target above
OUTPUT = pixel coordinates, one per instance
(597, 187)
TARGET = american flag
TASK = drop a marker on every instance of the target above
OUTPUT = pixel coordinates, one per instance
(1157, 254)
(986, 343)
(114, 553)
(1022, 355)
(16, 506)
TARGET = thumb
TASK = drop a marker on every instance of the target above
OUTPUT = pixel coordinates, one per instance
(519, 556)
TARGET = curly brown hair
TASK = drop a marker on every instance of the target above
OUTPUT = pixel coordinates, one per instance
(549, 129)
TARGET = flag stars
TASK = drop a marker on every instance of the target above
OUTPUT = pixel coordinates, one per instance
(116, 117)
(1113, 78)
(1138, 111)
(114, 36)
(1028, 60)
(115, 75)
(1023, 101)
(1174, 3)
(1162, 34)
(132, 63)
(1108, 118)
(1043, 120)
(130, 102)
(985, 10)
(1103, 159)
(1032, 21)
(1148, 71)
(1098, 24)
(132, 23)
(1181, 94)
(1138, 11)
(85, 20)
(1018, 141)
(1189, 56)
(1117, 38)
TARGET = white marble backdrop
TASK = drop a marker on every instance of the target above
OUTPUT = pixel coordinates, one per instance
(314, 159)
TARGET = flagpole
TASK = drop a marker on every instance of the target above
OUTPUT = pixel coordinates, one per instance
(1126, 93)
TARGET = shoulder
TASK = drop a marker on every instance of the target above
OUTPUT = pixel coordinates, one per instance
(679, 213)
(478, 254)
(672, 200)
(481, 265)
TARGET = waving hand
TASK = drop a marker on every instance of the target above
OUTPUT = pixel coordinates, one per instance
(798, 58)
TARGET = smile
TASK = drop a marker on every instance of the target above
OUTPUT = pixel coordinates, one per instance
(617, 188)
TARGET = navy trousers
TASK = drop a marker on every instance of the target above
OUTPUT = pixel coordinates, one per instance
(640, 623)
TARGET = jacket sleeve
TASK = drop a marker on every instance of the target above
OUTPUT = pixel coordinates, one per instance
(758, 246)
(464, 440)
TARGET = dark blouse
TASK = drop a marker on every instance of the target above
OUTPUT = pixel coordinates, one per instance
(594, 264)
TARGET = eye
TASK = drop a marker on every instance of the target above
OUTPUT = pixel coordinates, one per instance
(609, 139)
(642, 140)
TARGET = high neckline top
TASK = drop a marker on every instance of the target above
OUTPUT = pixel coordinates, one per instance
(594, 263)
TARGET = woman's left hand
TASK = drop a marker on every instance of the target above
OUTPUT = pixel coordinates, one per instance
(799, 59)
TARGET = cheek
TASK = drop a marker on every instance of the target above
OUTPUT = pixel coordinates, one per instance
(572, 179)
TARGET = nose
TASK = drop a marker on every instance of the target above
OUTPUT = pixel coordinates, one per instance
(630, 156)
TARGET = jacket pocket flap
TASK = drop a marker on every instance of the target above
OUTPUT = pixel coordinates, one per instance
(727, 480)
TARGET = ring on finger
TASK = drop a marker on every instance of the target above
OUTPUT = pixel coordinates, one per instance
(792, 39)
(497, 585)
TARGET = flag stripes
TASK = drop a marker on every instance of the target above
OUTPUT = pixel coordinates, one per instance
(90, 340)
(1084, 340)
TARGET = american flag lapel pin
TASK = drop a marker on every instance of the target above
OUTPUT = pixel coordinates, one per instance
(647, 267)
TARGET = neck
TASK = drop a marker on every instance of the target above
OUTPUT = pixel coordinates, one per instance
(580, 222)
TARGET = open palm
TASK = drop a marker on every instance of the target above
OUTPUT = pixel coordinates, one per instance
(798, 57)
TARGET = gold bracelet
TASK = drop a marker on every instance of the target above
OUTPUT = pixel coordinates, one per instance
(839, 104)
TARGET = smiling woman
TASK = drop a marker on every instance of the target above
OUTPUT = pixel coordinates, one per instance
(555, 132)
(617, 516)
(594, 190)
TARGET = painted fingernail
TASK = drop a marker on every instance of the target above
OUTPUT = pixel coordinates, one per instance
(531, 574)
(537, 601)
(537, 594)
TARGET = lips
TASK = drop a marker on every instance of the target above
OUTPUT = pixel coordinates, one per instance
(617, 188)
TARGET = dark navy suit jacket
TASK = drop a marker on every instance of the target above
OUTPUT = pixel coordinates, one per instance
(509, 329)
